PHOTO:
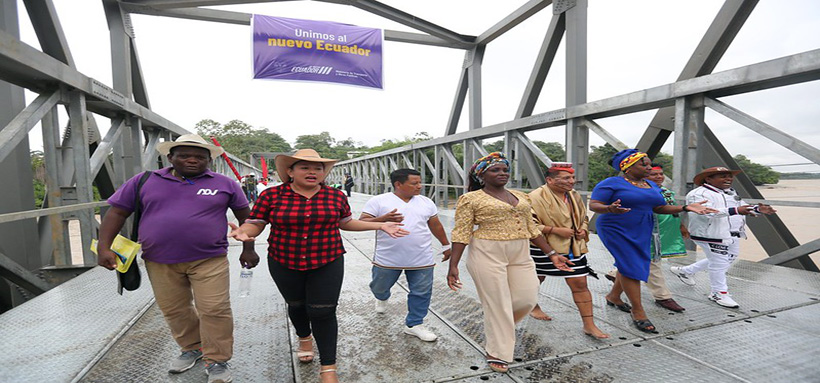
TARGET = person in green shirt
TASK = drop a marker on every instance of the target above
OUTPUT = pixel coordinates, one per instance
(671, 231)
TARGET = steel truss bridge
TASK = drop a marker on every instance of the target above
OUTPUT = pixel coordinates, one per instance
(34, 247)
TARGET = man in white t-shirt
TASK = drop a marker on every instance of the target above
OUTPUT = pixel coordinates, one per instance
(412, 254)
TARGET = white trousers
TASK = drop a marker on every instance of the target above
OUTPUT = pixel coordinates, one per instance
(719, 257)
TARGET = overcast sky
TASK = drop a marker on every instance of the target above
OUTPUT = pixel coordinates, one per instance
(198, 70)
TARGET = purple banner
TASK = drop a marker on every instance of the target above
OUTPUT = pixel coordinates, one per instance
(305, 50)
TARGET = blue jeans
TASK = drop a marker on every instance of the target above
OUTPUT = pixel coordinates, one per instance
(419, 281)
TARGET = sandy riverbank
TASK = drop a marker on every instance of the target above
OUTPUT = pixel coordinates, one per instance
(803, 222)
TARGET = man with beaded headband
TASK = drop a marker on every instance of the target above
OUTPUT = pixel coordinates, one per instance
(561, 215)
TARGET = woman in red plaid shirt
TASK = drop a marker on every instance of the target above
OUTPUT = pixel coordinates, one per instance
(305, 249)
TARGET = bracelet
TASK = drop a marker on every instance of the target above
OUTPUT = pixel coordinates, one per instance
(446, 247)
(551, 253)
(684, 208)
(550, 230)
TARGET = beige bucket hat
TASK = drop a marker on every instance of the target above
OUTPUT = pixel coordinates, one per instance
(284, 162)
(190, 140)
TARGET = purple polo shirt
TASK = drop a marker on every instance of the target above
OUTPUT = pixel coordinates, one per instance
(182, 221)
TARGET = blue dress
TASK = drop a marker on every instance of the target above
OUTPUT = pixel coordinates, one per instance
(628, 236)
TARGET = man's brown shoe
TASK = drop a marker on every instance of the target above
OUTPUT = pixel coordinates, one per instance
(670, 304)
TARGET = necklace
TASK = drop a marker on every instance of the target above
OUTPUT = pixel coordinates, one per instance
(640, 183)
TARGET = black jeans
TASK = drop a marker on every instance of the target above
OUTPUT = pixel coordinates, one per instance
(312, 296)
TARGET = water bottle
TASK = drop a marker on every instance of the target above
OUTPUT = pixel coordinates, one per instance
(245, 278)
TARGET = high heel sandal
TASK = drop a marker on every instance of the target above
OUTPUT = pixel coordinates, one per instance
(333, 370)
(625, 307)
(306, 356)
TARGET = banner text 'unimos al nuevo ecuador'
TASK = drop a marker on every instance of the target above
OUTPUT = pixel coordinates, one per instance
(305, 50)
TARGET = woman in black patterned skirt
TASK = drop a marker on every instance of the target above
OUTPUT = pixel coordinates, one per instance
(560, 214)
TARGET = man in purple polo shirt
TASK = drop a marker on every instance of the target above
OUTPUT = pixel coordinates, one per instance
(183, 235)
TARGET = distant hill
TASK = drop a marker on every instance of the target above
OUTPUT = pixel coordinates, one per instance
(799, 176)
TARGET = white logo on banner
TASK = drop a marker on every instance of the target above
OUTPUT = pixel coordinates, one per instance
(325, 70)
(207, 192)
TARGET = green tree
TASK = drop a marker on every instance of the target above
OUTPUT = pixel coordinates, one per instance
(37, 163)
(554, 150)
(241, 139)
(666, 161)
(497, 146)
(327, 146)
(760, 174)
(321, 142)
(599, 167)
(392, 144)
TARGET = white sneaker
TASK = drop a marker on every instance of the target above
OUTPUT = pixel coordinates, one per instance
(687, 279)
(724, 299)
(420, 332)
(381, 306)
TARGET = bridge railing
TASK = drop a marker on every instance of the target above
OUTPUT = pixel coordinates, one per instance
(76, 158)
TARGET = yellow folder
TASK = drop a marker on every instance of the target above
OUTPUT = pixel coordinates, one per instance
(126, 250)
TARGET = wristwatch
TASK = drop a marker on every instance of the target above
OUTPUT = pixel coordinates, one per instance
(684, 207)
(551, 253)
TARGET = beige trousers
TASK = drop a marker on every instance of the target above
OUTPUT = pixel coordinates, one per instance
(504, 276)
(194, 298)
(656, 282)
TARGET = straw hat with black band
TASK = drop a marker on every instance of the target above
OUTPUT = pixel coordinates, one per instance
(192, 140)
(284, 162)
(701, 177)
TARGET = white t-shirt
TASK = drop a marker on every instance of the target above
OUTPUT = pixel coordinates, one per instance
(413, 250)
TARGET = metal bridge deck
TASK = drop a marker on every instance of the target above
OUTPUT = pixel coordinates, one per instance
(83, 331)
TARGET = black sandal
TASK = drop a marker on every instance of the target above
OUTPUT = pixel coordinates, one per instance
(644, 325)
(625, 307)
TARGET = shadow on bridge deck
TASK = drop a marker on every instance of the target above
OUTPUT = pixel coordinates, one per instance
(83, 331)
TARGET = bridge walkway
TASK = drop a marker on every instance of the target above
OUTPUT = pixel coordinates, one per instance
(83, 331)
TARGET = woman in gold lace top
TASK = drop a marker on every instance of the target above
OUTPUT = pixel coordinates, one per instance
(499, 261)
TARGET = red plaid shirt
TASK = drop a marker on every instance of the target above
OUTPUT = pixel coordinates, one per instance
(304, 232)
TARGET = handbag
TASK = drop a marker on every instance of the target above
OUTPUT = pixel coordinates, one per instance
(131, 278)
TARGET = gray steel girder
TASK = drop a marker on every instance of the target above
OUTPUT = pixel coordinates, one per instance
(710, 50)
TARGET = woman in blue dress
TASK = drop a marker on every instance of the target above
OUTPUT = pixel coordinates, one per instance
(626, 204)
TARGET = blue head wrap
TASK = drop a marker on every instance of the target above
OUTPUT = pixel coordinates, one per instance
(626, 158)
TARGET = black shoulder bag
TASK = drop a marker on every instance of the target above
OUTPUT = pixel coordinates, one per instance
(130, 280)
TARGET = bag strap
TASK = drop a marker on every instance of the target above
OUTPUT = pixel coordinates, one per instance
(135, 229)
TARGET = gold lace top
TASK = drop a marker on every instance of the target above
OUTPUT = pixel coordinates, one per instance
(496, 220)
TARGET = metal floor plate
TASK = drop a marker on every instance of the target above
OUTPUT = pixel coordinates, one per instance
(759, 350)
(63, 330)
(260, 339)
(373, 348)
(633, 362)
